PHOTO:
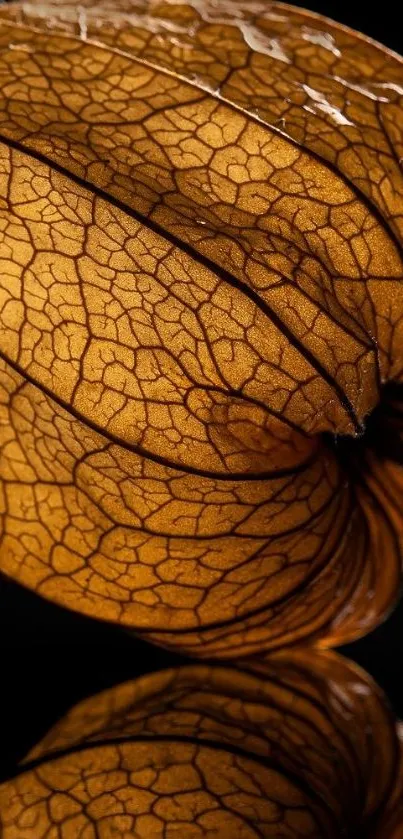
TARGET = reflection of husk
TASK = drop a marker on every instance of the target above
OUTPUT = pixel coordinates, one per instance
(202, 263)
(391, 822)
(301, 744)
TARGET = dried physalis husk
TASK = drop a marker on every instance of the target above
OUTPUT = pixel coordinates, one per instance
(201, 311)
(390, 823)
(304, 746)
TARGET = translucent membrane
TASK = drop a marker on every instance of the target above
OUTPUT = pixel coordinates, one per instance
(201, 301)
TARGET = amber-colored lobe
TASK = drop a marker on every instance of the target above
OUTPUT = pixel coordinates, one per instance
(200, 220)
(299, 745)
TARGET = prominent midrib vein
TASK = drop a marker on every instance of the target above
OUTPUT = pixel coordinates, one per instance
(217, 270)
(140, 450)
(238, 108)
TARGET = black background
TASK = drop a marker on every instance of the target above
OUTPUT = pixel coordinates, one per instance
(51, 658)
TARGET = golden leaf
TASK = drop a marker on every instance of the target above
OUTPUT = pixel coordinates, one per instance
(201, 309)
